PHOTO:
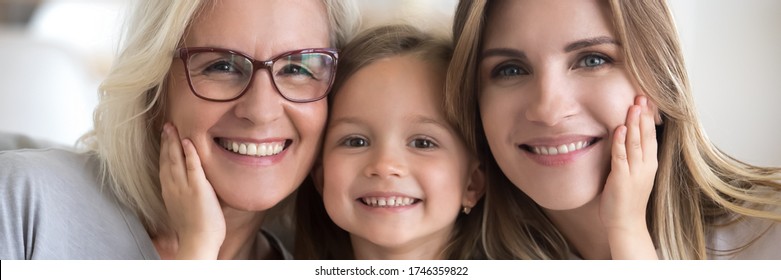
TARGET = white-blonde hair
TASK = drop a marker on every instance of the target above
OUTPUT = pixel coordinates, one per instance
(128, 118)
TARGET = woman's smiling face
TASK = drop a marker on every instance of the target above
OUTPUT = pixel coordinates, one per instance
(553, 88)
(261, 119)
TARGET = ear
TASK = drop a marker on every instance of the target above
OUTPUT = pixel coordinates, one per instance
(475, 187)
(317, 177)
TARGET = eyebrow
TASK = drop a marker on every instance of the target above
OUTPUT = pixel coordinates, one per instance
(503, 52)
(420, 119)
(589, 42)
(344, 120)
(417, 119)
(507, 52)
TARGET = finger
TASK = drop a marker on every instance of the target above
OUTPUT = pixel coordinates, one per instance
(618, 162)
(175, 157)
(634, 148)
(165, 175)
(195, 174)
(648, 131)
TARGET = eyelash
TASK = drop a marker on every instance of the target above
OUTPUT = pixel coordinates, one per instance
(346, 141)
(497, 72)
(433, 144)
(580, 63)
(349, 142)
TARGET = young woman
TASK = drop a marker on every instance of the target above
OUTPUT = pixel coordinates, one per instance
(231, 78)
(529, 77)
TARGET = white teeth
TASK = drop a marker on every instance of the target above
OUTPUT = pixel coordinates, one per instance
(561, 149)
(393, 201)
(253, 149)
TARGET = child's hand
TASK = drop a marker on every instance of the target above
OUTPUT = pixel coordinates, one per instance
(629, 184)
(192, 205)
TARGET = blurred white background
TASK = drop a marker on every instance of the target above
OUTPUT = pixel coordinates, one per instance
(55, 52)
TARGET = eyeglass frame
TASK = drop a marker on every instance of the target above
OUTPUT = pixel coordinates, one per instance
(184, 53)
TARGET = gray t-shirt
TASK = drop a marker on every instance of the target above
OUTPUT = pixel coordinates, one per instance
(53, 206)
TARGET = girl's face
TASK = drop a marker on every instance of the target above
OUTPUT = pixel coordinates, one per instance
(395, 174)
(261, 117)
(553, 88)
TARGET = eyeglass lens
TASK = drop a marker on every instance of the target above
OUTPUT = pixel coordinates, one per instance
(224, 76)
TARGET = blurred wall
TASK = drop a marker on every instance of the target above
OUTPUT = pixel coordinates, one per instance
(734, 61)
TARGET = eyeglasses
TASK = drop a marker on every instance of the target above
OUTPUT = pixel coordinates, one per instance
(223, 75)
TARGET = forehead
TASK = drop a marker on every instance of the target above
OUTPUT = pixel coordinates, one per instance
(261, 28)
(394, 85)
(531, 21)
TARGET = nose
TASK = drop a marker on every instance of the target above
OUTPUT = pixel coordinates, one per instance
(553, 100)
(261, 103)
(386, 163)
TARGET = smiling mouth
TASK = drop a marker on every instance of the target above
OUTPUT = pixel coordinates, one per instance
(387, 202)
(559, 149)
(254, 149)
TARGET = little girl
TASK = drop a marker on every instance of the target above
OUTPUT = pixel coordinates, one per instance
(395, 174)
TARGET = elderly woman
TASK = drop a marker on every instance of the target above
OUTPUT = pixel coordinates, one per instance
(241, 83)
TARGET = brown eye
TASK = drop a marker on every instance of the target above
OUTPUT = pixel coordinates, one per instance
(355, 142)
(422, 143)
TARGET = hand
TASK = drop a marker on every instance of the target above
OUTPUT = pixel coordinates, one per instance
(192, 205)
(629, 184)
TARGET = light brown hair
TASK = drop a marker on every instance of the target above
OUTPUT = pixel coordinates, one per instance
(697, 187)
(317, 237)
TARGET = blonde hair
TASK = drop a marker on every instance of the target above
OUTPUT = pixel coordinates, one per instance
(128, 119)
(317, 237)
(697, 187)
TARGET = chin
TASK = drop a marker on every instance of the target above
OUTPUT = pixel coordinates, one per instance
(251, 198)
(564, 197)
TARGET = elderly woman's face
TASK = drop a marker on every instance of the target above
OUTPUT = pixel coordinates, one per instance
(276, 139)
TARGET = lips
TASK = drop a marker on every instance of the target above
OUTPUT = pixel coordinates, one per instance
(388, 201)
(261, 149)
(559, 149)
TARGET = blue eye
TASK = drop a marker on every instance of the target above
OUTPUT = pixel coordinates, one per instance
(508, 71)
(593, 61)
(423, 143)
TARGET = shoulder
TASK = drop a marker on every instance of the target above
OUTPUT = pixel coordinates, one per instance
(746, 238)
(33, 174)
(276, 245)
(54, 205)
(50, 167)
(43, 161)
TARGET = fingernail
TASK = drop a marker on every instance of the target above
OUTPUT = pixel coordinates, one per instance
(643, 101)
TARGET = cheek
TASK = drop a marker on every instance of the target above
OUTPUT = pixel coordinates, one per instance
(499, 112)
(309, 118)
(610, 100)
(191, 115)
(338, 174)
